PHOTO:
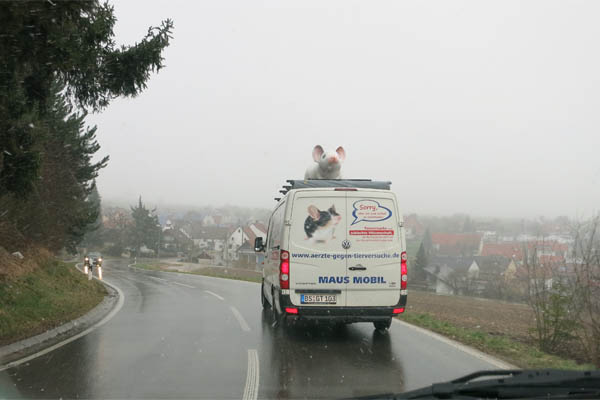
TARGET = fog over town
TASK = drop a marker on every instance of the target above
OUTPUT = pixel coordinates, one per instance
(484, 109)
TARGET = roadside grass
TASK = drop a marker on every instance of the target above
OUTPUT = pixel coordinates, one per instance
(511, 351)
(150, 266)
(231, 275)
(214, 272)
(45, 298)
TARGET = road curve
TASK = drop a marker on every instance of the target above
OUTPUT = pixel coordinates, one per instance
(188, 336)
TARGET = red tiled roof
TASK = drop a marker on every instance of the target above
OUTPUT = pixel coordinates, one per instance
(261, 227)
(455, 239)
(549, 245)
(249, 233)
(515, 249)
(508, 249)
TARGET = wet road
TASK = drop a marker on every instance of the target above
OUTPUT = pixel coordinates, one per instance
(186, 336)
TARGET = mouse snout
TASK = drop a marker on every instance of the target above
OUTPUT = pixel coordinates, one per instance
(332, 160)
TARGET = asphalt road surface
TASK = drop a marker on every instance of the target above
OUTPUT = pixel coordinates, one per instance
(188, 336)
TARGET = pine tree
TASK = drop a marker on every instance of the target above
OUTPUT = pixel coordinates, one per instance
(146, 229)
(427, 242)
(72, 42)
(94, 232)
(421, 263)
(61, 207)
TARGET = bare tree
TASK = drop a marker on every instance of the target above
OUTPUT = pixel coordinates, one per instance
(552, 301)
(586, 268)
(461, 283)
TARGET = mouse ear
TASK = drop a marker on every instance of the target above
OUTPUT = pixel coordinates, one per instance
(317, 152)
(341, 153)
(314, 213)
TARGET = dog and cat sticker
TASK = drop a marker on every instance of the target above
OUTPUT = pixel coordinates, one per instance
(367, 224)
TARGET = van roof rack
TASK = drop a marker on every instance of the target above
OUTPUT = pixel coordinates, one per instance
(328, 183)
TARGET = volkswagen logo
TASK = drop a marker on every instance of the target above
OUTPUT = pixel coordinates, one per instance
(346, 244)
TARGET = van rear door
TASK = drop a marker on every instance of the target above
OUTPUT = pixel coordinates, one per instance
(317, 258)
(375, 249)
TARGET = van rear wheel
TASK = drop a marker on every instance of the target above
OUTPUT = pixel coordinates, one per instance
(383, 325)
(263, 299)
(274, 314)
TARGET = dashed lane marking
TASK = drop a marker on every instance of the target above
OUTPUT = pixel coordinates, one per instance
(184, 285)
(240, 319)
(214, 294)
(158, 279)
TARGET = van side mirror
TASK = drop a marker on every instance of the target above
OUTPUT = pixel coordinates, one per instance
(258, 244)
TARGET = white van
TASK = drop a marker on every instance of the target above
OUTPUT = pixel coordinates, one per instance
(335, 250)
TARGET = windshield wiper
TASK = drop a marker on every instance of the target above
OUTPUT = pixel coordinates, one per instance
(511, 384)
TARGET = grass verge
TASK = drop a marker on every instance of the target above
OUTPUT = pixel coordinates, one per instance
(215, 272)
(149, 266)
(230, 273)
(45, 298)
(514, 352)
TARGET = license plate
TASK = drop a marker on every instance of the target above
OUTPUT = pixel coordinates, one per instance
(318, 299)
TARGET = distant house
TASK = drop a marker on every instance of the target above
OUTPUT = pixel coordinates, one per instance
(549, 251)
(246, 254)
(174, 239)
(209, 239)
(467, 275)
(240, 235)
(512, 250)
(546, 251)
(456, 244)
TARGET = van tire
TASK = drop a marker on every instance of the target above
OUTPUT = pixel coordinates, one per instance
(274, 313)
(263, 299)
(383, 325)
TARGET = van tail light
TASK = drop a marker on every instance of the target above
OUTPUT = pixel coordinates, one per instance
(403, 270)
(398, 310)
(291, 310)
(284, 270)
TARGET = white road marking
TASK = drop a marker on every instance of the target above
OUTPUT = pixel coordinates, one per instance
(469, 350)
(47, 350)
(183, 284)
(159, 279)
(252, 376)
(214, 294)
(240, 319)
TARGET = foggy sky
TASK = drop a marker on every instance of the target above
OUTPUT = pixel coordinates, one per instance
(487, 108)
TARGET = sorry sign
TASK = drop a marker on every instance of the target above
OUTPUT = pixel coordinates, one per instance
(369, 211)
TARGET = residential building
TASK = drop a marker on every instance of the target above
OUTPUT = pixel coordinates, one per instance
(240, 235)
(467, 275)
(456, 244)
(546, 251)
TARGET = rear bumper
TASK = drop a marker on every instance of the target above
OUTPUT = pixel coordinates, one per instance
(340, 314)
